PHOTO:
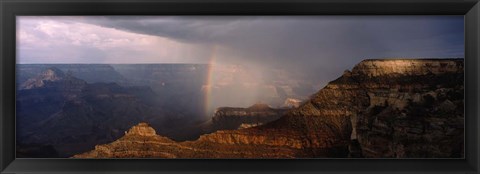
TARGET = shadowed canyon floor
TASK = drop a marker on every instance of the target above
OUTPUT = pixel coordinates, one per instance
(396, 108)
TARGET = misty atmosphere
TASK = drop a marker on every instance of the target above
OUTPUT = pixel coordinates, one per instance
(210, 82)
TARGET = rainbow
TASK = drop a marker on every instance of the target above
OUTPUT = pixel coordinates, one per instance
(210, 74)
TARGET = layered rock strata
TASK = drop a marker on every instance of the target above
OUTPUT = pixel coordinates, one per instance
(382, 108)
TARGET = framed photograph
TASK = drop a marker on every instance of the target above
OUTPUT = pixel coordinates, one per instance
(241, 86)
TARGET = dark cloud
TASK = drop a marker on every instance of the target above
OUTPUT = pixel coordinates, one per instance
(186, 29)
(343, 39)
(320, 47)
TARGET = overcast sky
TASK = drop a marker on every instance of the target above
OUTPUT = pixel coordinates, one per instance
(312, 45)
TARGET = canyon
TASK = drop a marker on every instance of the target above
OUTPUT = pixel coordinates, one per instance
(95, 103)
(381, 108)
(56, 110)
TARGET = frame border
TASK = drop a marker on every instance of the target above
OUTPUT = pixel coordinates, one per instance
(9, 9)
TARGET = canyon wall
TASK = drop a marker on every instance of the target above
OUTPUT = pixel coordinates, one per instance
(416, 108)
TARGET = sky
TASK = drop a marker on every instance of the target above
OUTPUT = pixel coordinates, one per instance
(319, 48)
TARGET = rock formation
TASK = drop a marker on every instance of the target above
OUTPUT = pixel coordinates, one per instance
(139, 141)
(415, 110)
(257, 114)
(139, 144)
(292, 103)
(382, 108)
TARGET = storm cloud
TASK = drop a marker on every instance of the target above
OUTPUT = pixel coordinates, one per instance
(312, 47)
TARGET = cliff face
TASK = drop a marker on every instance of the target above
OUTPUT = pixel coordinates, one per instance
(396, 108)
(415, 110)
(382, 108)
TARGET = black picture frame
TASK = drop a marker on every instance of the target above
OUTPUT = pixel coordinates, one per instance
(11, 8)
